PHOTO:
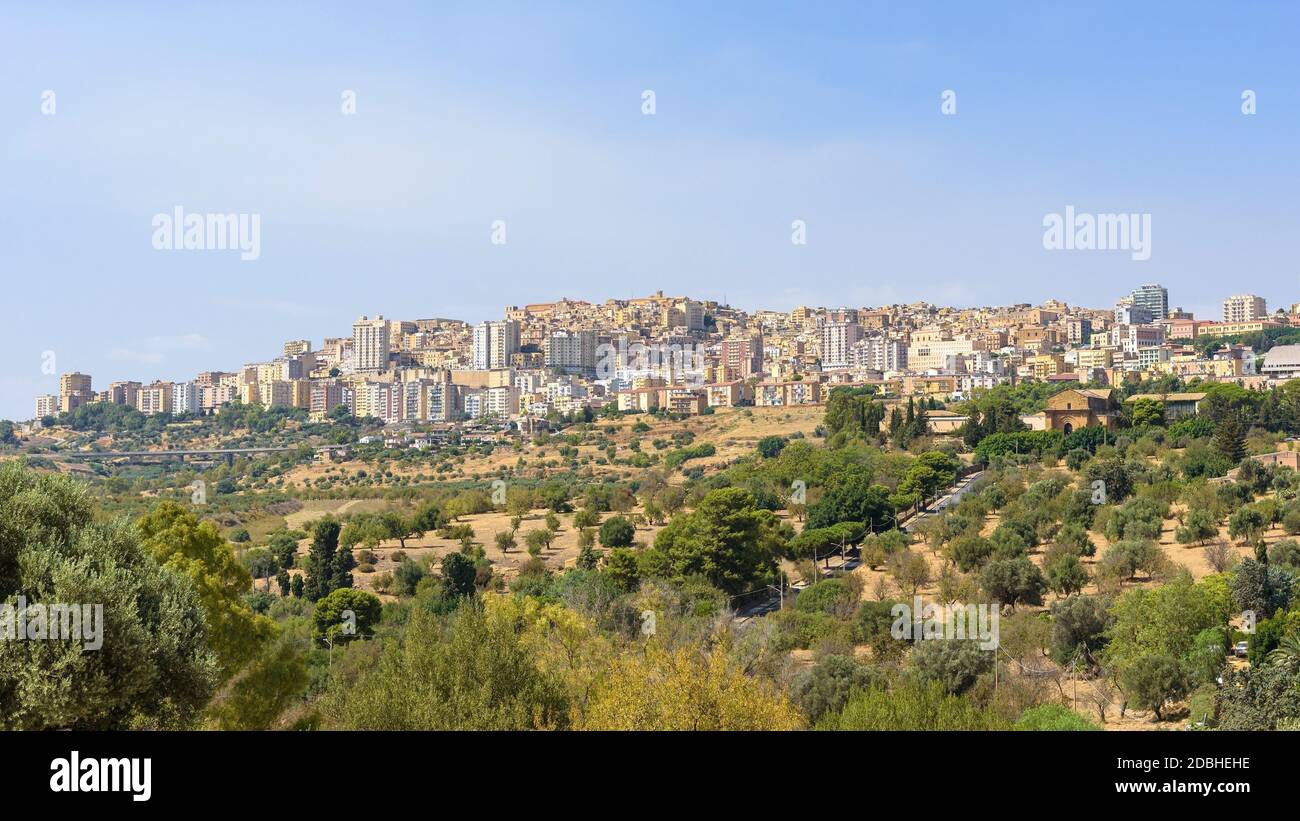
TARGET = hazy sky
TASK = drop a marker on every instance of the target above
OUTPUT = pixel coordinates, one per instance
(532, 114)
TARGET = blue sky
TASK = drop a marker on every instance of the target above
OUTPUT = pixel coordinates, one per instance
(531, 113)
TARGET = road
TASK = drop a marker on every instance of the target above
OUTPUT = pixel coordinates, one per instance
(952, 497)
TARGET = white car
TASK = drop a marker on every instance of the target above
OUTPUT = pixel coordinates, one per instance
(1239, 650)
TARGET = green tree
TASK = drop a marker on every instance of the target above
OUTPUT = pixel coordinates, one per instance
(1013, 581)
(320, 566)
(459, 576)
(180, 542)
(726, 539)
(1152, 680)
(476, 672)
(1229, 440)
(346, 614)
(617, 531)
(154, 666)
(622, 568)
(1066, 575)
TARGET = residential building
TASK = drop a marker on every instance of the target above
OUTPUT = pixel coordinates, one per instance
(1154, 299)
(47, 405)
(572, 352)
(494, 343)
(1244, 308)
(185, 398)
(838, 339)
(370, 345)
(155, 398)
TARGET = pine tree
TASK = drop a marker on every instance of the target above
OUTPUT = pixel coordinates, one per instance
(342, 575)
(1229, 441)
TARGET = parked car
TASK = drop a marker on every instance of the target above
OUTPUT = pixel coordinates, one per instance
(1239, 649)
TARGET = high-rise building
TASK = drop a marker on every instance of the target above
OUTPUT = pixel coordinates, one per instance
(46, 405)
(155, 398)
(743, 354)
(74, 391)
(494, 344)
(1154, 298)
(185, 398)
(370, 345)
(879, 352)
(1244, 308)
(572, 352)
(837, 339)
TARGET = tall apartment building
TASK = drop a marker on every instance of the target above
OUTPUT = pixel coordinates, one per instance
(370, 345)
(837, 340)
(1154, 298)
(123, 393)
(325, 397)
(46, 405)
(494, 344)
(185, 398)
(1244, 308)
(743, 354)
(879, 352)
(294, 347)
(74, 391)
(1078, 331)
(155, 398)
(572, 352)
(444, 402)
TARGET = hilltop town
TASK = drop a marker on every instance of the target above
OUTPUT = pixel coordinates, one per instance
(554, 360)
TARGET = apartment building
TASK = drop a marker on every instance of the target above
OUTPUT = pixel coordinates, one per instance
(1244, 308)
(936, 350)
(1154, 299)
(46, 405)
(371, 345)
(74, 391)
(155, 398)
(185, 398)
(783, 394)
(742, 354)
(324, 396)
(838, 339)
(880, 353)
(494, 343)
(123, 393)
(571, 352)
(295, 347)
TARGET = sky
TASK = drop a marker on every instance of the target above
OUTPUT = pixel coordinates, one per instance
(532, 114)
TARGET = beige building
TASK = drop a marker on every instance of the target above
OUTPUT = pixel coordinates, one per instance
(370, 345)
(46, 405)
(1244, 308)
(155, 398)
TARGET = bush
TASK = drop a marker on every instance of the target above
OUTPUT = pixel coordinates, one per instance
(617, 531)
(1053, 717)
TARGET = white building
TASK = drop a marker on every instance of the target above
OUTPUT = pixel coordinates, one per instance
(185, 398)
